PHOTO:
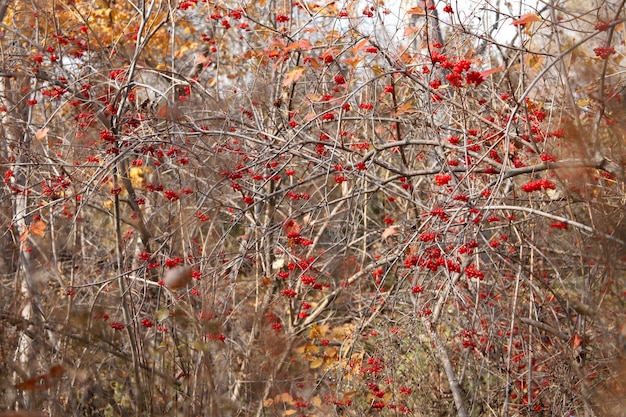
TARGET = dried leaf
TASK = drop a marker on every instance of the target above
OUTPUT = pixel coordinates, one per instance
(390, 231)
(416, 10)
(42, 382)
(318, 331)
(488, 72)
(293, 76)
(42, 133)
(316, 401)
(302, 44)
(411, 30)
(526, 19)
(361, 45)
(38, 383)
(576, 341)
(316, 363)
(404, 108)
(348, 395)
(38, 228)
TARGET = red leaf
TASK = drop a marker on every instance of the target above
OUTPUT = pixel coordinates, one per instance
(576, 341)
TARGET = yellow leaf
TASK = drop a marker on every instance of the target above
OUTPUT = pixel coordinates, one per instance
(162, 314)
(534, 60)
(378, 70)
(290, 412)
(331, 352)
(316, 363)
(316, 401)
(318, 331)
(312, 348)
(42, 133)
(293, 76)
(135, 172)
(583, 102)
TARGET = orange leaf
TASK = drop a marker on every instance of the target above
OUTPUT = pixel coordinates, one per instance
(416, 10)
(576, 341)
(302, 44)
(488, 72)
(361, 45)
(404, 108)
(353, 61)
(38, 228)
(525, 19)
(411, 30)
(293, 76)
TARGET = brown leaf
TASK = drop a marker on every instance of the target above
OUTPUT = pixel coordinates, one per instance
(38, 383)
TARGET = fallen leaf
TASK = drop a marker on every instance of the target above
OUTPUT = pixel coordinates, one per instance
(576, 341)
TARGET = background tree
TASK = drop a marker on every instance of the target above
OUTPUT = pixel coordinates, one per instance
(416, 212)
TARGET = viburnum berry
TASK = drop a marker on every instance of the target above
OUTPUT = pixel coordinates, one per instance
(604, 52)
(537, 185)
(442, 179)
